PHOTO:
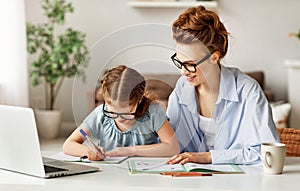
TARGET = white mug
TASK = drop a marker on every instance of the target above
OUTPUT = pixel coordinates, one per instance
(273, 156)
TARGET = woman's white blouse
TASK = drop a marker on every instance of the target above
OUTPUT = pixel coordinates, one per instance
(209, 129)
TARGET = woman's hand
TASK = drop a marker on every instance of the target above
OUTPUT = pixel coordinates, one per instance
(203, 157)
(120, 151)
(96, 156)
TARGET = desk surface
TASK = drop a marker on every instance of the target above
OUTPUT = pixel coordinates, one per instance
(117, 177)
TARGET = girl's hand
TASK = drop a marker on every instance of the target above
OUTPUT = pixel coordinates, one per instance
(202, 157)
(96, 156)
(120, 151)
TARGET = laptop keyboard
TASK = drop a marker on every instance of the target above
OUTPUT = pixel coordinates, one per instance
(49, 169)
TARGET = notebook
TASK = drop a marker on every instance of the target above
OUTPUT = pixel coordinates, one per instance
(69, 158)
(145, 166)
(20, 148)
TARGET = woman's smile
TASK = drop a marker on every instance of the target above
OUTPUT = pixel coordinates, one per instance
(190, 78)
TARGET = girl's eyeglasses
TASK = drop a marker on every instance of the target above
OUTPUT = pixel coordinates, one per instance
(189, 67)
(114, 115)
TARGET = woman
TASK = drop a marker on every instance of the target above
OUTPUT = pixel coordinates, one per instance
(219, 114)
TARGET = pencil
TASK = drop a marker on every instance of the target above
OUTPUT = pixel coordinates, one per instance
(179, 174)
(190, 174)
(170, 173)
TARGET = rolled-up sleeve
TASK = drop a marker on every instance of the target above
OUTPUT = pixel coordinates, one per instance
(247, 155)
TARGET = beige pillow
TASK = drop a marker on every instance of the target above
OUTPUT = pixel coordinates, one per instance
(281, 112)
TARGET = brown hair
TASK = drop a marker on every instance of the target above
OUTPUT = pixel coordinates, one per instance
(198, 24)
(125, 85)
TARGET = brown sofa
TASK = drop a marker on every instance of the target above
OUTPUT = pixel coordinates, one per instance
(163, 84)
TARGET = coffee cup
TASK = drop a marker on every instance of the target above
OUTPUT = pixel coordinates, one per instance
(273, 156)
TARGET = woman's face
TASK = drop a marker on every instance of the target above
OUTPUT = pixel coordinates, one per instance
(191, 54)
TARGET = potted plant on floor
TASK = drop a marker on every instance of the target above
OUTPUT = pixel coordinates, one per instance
(57, 56)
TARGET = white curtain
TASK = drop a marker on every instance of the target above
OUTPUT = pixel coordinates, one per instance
(13, 67)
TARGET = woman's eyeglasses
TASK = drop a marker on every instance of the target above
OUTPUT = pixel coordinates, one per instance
(114, 115)
(189, 67)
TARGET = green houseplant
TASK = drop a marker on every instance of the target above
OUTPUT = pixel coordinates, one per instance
(57, 55)
(297, 35)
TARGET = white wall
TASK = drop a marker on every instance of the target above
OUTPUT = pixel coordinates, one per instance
(13, 73)
(259, 41)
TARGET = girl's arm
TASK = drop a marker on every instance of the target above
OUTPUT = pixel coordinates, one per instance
(73, 145)
(168, 145)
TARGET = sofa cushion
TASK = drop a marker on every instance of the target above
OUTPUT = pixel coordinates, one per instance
(281, 112)
(161, 84)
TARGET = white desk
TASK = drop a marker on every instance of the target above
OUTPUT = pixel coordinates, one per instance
(114, 177)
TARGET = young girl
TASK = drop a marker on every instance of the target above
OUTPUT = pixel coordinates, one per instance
(128, 123)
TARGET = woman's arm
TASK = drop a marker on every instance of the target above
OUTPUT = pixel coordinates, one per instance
(73, 145)
(168, 145)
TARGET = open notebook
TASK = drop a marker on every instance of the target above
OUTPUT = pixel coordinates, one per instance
(145, 166)
(68, 158)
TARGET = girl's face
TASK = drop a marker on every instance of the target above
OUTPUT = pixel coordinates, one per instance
(191, 54)
(122, 113)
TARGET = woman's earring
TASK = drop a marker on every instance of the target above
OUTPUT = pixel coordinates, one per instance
(216, 56)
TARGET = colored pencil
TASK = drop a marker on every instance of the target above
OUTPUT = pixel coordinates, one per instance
(179, 174)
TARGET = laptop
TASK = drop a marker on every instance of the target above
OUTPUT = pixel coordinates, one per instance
(20, 148)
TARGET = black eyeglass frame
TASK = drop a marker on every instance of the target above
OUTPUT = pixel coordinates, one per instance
(105, 112)
(174, 60)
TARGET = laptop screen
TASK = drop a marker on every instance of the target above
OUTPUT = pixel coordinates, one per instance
(19, 143)
(20, 148)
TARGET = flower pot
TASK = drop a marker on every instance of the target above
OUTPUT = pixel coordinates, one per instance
(48, 123)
